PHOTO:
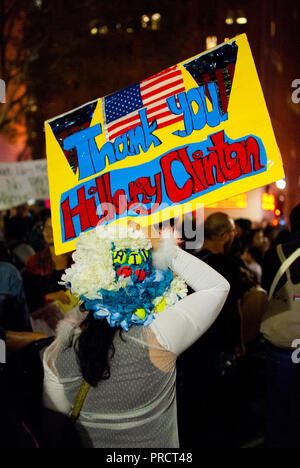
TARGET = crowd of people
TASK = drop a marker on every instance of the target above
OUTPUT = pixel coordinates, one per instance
(235, 382)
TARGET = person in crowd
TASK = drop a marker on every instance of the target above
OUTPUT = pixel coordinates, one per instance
(18, 227)
(206, 365)
(243, 229)
(219, 234)
(21, 255)
(43, 272)
(14, 313)
(259, 244)
(282, 236)
(257, 238)
(251, 260)
(121, 360)
(37, 239)
(2, 224)
(2, 349)
(281, 328)
(21, 379)
(253, 296)
(245, 255)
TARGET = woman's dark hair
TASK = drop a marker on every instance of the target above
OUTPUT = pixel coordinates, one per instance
(95, 349)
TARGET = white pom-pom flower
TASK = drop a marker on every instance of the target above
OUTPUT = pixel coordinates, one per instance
(93, 267)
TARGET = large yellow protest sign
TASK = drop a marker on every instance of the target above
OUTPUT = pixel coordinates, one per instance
(198, 132)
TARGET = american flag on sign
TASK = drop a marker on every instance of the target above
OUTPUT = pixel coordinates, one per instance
(121, 109)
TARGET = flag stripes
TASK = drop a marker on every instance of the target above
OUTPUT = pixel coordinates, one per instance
(153, 92)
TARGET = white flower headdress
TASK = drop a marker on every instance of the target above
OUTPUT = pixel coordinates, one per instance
(114, 296)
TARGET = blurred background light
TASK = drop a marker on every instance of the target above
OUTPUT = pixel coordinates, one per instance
(229, 17)
(241, 18)
(268, 201)
(145, 20)
(211, 41)
(155, 21)
(280, 184)
(103, 29)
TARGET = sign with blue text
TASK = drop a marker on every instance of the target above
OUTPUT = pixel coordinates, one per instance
(195, 133)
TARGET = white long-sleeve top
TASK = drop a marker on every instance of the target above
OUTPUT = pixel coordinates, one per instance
(181, 325)
(136, 406)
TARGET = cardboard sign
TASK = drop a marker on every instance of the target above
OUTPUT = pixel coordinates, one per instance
(23, 181)
(198, 132)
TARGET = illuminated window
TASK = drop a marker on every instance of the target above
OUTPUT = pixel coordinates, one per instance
(241, 17)
(145, 21)
(229, 17)
(155, 21)
(211, 41)
(241, 20)
(31, 105)
(156, 17)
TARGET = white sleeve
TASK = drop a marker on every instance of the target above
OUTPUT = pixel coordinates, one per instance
(179, 326)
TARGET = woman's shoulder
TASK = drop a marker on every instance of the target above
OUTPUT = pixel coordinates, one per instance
(67, 332)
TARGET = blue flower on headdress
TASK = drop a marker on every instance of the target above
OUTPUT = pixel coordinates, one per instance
(121, 308)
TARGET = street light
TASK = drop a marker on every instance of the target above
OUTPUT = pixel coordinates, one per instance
(280, 184)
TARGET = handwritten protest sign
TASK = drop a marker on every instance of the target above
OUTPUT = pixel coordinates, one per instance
(198, 132)
(23, 181)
